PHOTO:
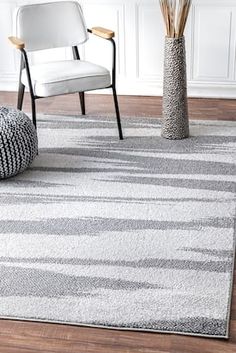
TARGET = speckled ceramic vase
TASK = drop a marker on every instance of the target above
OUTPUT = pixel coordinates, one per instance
(175, 125)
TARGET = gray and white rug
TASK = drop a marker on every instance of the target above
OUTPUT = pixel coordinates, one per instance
(133, 234)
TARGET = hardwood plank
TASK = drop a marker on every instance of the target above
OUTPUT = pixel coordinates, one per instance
(7, 349)
(57, 338)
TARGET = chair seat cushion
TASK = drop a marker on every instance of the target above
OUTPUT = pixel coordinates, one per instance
(67, 76)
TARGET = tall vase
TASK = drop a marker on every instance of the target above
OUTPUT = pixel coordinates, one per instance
(175, 124)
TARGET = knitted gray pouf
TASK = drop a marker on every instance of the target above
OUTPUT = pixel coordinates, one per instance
(18, 142)
(175, 106)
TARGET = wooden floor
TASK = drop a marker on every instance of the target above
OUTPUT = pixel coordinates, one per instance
(219, 109)
(28, 337)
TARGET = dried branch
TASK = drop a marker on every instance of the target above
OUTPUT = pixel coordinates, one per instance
(175, 14)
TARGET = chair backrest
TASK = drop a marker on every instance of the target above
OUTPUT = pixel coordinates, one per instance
(51, 25)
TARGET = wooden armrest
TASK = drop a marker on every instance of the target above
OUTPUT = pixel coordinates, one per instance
(103, 32)
(17, 42)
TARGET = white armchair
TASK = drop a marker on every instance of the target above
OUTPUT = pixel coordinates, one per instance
(54, 25)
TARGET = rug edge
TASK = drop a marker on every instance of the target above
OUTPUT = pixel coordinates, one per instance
(77, 324)
(230, 298)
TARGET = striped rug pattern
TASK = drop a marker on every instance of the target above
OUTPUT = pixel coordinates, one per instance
(134, 234)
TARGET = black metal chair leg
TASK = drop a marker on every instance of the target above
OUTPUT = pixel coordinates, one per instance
(117, 113)
(33, 112)
(82, 102)
(21, 91)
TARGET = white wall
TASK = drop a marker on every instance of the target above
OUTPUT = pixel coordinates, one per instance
(210, 44)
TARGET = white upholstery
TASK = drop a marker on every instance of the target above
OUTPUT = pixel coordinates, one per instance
(51, 25)
(67, 76)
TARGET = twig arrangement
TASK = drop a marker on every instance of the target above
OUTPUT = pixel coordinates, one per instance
(175, 14)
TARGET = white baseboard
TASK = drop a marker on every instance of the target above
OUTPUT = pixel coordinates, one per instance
(9, 82)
